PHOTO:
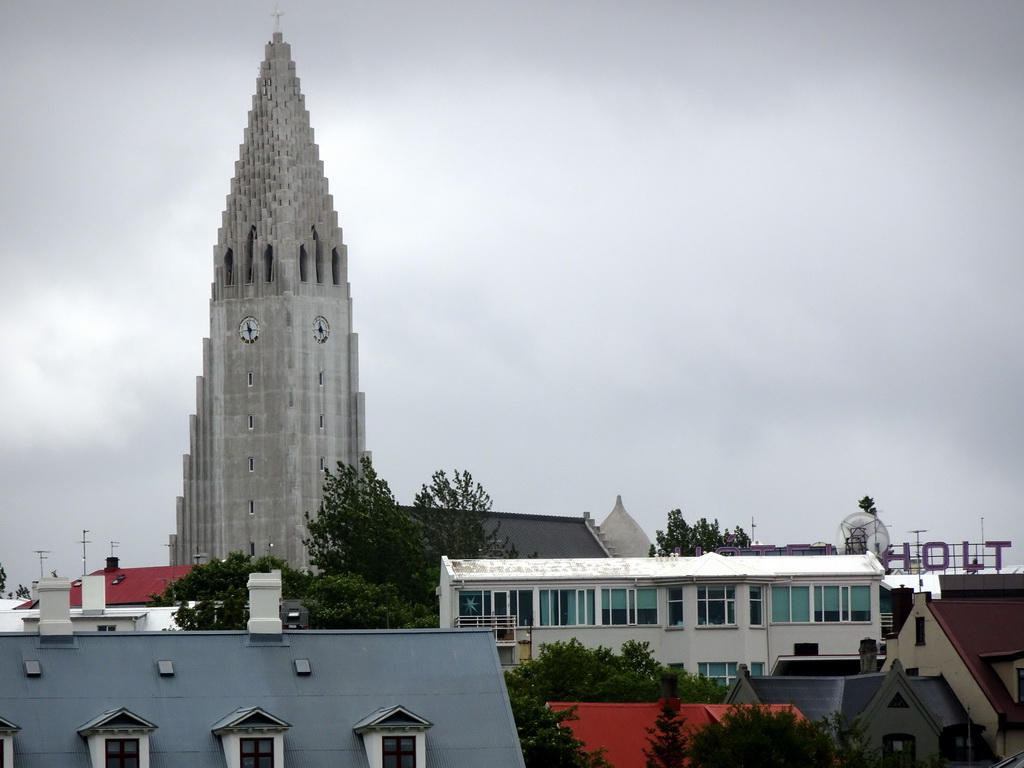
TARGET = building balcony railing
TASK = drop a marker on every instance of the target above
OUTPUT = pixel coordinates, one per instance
(504, 626)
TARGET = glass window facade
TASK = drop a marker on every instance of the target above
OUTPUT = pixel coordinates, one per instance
(629, 606)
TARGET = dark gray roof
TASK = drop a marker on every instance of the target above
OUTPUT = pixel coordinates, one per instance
(450, 678)
(818, 697)
(547, 536)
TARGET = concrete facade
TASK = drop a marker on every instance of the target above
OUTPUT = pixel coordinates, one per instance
(278, 400)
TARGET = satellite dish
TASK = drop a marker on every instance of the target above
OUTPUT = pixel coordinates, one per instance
(862, 532)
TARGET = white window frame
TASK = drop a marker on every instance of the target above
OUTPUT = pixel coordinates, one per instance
(728, 604)
(731, 671)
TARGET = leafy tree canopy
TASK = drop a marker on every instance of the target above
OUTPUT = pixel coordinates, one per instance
(569, 671)
(361, 530)
(453, 513)
(347, 601)
(868, 505)
(220, 593)
(751, 735)
(707, 535)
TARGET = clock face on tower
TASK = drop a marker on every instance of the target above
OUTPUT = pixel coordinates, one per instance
(321, 330)
(249, 329)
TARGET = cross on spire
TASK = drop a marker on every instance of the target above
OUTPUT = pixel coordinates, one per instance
(277, 14)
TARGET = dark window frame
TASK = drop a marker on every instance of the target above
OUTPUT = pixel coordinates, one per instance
(117, 753)
(397, 747)
(254, 748)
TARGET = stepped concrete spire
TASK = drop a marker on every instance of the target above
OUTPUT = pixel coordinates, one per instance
(279, 400)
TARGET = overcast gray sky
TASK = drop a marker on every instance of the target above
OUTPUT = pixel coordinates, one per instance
(748, 259)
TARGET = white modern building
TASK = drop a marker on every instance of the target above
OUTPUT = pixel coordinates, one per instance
(704, 614)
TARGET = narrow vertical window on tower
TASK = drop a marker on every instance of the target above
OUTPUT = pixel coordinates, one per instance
(303, 264)
(248, 378)
(268, 264)
(320, 378)
(318, 256)
(323, 464)
(229, 267)
(252, 421)
(335, 266)
(250, 244)
(252, 464)
(252, 507)
(321, 421)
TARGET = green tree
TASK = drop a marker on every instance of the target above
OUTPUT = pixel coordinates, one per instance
(707, 535)
(667, 741)
(569, 671)
(868, 505)
(453, 514)
(347, 601)
(757, 737)
(360, 529)
(218, 591)
(3, 579)
(545, 741)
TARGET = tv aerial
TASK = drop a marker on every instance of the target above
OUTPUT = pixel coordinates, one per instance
(862, 532)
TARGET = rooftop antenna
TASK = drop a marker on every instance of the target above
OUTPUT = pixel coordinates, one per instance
(112, 545)
(920, 564)
(42, 556)
(84, 542)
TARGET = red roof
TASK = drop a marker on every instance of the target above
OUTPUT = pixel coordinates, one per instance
(983, 632)
(132, 586)
(622, 728)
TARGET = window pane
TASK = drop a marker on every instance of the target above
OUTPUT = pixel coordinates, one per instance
(780, 604)
(647, 606)
(567, 607)
(860, 603)
(800, 599)
(675, 606)
(471, 603)
(545, 608)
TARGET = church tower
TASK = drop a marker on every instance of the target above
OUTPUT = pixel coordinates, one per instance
(278, 400)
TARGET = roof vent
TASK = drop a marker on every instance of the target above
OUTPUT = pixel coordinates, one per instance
(165, 667)
(118, 579)
(302, 667)
(32, 668)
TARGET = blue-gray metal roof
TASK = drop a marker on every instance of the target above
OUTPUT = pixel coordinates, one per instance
(451, 678)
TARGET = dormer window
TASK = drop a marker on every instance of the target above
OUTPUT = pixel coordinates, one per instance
(394, 737)
(7, 731)
(251, 737)
(118, 738)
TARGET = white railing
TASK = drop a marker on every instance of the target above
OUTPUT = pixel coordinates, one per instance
(504, 626)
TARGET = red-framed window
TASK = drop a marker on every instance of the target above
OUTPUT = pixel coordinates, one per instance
(399, 752)
(122, 753)
(257, 753)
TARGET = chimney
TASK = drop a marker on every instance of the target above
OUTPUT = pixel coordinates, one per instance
(54, 607)
(902, 604)
(112, 564)
(265, 603)
(669, 691)
(94, 595)
(868, 656)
